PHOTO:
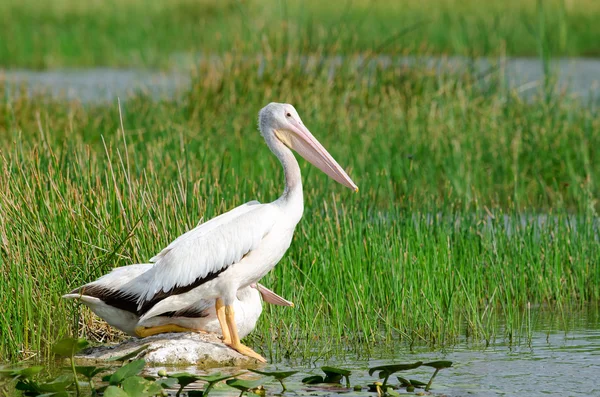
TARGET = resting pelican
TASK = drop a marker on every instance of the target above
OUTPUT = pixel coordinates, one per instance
(106, 298)
(236, 249)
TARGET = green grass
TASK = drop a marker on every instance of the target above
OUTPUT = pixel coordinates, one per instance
(408, 257)
(70, 33)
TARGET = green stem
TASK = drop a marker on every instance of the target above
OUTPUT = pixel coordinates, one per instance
(282, 385)
(75, 375)
(431, 380)
(208, 388)
(384, 385)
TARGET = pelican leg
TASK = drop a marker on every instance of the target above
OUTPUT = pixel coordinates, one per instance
(143, 332)
(220, 309)
(235, 338)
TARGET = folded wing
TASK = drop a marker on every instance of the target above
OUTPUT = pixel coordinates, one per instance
(204, 252)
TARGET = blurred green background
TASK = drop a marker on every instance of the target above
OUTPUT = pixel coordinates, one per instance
(153, 33)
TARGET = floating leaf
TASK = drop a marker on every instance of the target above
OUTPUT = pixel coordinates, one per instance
(390, 369)
(338, 371)
(136, 386)
(215, 378)
(184, 378)
(334, 375)
(131, 369)
(130, 355)
(278, 375)
(57, 385)
(412, 382)
(114, 391)
(167, 383)
(418, 383)
(404, 382)
(218, 377)
(68, 347)
(439, 364)
(245, 385)
(275, 374)
(313, 380)
(386, 370)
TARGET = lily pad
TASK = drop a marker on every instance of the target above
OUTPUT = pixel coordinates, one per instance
(131, 369)
(136, 386)
(114, 391)
(68, 347)
(167, 383)
(336, 371)
(439, 364)
(218, 377)
(184, 378)
(411, 382)
(89, 371)
(334, 375)
(275, 374)
(392, 368)
(58, 384)
(278, 375)
(245, 385)
(386, 370)
(313, 380)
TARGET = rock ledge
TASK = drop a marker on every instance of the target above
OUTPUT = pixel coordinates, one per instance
(177, 349)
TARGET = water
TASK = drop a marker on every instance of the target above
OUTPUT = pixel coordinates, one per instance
(577, 76)
(549, 362)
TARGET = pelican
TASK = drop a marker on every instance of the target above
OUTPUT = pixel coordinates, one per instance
(236, 249)
(105, 298)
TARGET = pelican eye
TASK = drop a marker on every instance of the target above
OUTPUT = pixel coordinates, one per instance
(288, 115)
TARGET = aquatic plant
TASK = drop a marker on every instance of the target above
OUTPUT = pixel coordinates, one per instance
(278, 375)
(246, 385)
(128, 380)
(385, 371)
(332, 375)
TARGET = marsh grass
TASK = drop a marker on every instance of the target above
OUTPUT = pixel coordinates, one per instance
(70, 33)
(423, 253)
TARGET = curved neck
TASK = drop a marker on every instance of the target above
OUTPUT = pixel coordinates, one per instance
(291, 170)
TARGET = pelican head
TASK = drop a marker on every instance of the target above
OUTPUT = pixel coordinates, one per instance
(281, 122)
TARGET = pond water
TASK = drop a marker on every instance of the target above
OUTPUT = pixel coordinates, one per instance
(577, 76)
(551, 361)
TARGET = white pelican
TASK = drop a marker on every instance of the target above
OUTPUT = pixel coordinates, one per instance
(236, 249)
(106, 298)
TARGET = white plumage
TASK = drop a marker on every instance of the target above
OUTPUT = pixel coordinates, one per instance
(236, 249)
(200, 316)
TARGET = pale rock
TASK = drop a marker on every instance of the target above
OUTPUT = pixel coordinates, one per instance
(173, 349)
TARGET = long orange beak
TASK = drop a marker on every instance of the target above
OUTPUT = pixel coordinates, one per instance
(302, 141)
